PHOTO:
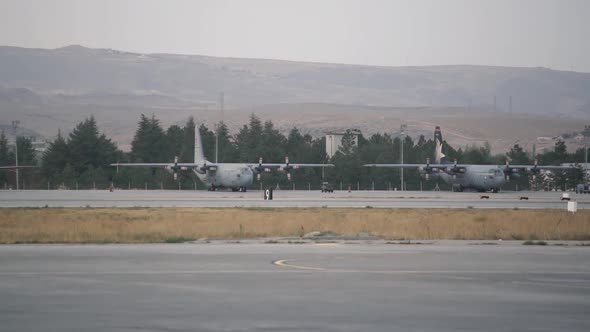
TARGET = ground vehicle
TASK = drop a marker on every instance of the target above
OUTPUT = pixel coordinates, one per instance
(583, 188)
(327, 187)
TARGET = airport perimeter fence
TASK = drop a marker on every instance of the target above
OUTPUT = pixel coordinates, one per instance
(99, 185)
(197, 185)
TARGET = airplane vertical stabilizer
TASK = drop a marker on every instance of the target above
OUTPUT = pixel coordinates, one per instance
(439, 156)
(199, 154)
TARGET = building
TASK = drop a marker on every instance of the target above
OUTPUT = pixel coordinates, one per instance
(334, 140)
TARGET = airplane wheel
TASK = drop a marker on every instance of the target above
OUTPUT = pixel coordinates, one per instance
(495, 191)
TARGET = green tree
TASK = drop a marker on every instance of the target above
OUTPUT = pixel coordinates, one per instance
(227, 149)
(250, 140)
(4, 158)
(188, 141)
(149, 143)
(55, 159)
(89, 150)
(174, 139)
(517, 155)
(208, 141)
(26, 152)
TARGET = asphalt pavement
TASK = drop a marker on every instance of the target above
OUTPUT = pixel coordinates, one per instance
(254, 286)
(287, 198)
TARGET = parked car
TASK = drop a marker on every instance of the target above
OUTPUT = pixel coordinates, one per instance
(327, 187)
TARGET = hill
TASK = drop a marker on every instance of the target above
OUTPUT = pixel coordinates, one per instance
(51, 89)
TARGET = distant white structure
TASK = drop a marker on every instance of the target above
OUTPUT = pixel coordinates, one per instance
(334, 140)
(39, 145)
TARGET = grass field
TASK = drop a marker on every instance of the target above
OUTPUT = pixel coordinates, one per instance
(139, 225)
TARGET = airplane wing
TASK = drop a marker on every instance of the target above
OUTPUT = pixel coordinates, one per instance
(15, 167)
(440, 167)
(159, 164)
(260, 166)
(276, 166)
(172, 167)
(536, 167)
(399, 165)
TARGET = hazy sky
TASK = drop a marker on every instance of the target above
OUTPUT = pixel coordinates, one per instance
(553, 34)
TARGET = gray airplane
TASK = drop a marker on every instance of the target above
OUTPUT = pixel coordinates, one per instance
(236, 176)
(467, 176)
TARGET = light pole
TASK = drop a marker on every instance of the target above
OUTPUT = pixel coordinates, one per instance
(15, 124)
(221, 101)
(402, 130)
(586, 134)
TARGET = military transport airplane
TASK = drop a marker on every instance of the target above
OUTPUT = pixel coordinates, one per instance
(467, 176)
(236, 176)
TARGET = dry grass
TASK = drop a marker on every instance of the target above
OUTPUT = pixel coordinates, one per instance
(170, 224)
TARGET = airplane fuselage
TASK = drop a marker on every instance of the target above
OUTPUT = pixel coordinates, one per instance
(477, 177)
(234, 176)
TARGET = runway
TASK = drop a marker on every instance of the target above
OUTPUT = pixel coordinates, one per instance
(286, 198)
(253, 286)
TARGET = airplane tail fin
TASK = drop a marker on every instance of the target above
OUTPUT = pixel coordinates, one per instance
(199, 154)
(439, 156)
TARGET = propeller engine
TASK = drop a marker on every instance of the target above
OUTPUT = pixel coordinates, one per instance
(259, 169)
(508, 172)
(427, 170)
(287, 168)
(175, 168)
(535, 169)
(454, 169)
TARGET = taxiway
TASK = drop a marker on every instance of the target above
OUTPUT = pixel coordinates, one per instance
(253, 286)
(286, 198)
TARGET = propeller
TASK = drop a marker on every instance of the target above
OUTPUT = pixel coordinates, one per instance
(454, 169)
(427, 170)
(175, 168)
(259, 169)
(287, 168)
(507, 170)
(535, 169)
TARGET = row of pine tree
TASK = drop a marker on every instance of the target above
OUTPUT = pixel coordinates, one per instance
(82, 159)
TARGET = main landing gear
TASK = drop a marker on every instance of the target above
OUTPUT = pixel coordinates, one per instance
(240, 189)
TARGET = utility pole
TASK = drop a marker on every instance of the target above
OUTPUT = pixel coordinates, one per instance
(495, 107)
(15, 124)
(586, 134)
(402, 129)
(217, 129)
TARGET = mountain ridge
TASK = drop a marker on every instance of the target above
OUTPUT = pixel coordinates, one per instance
(51, 89)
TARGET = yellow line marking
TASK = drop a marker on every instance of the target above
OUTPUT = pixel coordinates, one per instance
(283, 263)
